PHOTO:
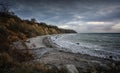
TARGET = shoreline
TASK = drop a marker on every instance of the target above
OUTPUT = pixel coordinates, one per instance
(50, 53)
(60, 57)
(50, 42)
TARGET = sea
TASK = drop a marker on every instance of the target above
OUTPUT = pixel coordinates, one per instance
(104, 45)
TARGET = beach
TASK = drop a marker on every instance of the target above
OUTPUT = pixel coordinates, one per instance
(47, 52)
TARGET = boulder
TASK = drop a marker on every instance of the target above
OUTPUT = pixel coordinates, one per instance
(71, 68)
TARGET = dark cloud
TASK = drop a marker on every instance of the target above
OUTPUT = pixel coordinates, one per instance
(60, 12)
(108, 15)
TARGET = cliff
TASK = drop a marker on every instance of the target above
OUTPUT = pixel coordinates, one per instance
(15, 28)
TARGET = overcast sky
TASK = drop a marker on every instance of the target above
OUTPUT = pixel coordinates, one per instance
(81, 15)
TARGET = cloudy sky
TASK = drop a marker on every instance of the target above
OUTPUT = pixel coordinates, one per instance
(84, 16)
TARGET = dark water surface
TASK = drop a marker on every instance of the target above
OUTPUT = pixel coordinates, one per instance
(106, 45)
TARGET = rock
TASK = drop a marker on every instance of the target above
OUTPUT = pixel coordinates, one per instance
(77, 43)
(110, 57)
(53, 68)
(71, 68)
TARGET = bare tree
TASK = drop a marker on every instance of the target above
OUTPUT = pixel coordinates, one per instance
(4, 7)
(33, 20)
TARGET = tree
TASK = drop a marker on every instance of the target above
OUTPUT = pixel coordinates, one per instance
(33, 20)
(4, 7)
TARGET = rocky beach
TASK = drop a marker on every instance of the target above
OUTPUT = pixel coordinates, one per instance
(49, 53)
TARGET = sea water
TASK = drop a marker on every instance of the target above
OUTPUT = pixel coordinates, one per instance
(104, 45)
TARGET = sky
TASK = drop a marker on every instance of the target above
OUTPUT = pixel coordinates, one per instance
(83, 16)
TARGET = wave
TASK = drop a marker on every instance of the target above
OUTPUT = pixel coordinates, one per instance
(83, 48)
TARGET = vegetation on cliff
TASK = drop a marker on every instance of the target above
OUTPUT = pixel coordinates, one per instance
(24, 28)
(13, 28)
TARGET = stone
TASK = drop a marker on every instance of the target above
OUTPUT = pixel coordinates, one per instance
(71, 68)
(77, 43)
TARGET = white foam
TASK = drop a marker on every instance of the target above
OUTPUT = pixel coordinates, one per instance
(83, 48)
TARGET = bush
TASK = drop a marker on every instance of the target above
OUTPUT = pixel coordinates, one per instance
(6, 63)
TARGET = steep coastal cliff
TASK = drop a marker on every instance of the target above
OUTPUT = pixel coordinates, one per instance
(12, 29)
(15, 28)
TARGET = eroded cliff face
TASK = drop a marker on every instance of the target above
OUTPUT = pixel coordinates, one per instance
(18, 28)
(12, 29)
